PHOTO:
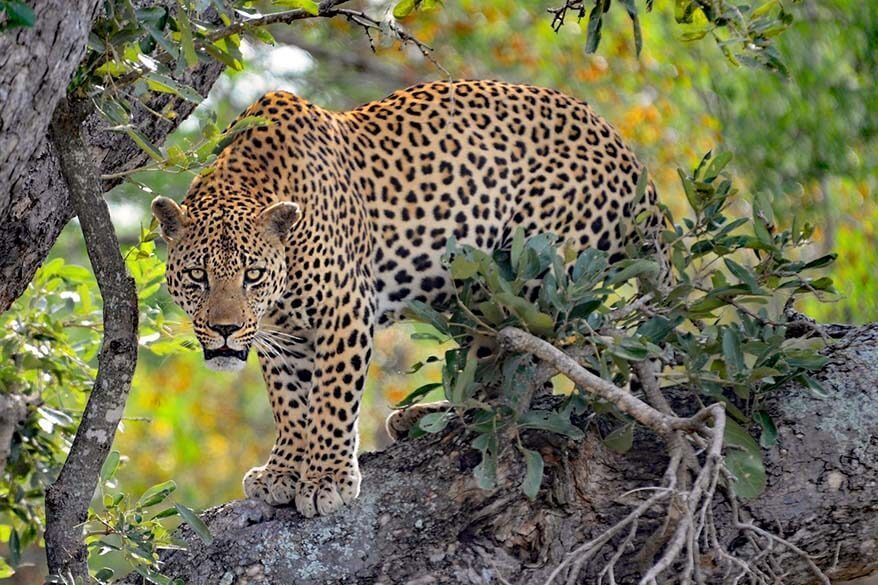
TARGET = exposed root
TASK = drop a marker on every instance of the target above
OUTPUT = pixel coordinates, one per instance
(687, 496)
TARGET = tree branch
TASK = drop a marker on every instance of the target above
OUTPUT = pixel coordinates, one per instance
(68, 498)
(518, 340)
(421, 517)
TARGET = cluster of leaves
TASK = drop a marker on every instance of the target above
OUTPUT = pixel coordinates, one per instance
(48, 347)
(125, 535)
(48, 352)
(719, 327)
(744, 32)
(135, 54)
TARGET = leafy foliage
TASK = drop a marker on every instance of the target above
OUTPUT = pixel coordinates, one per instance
(744, 32)
(719, 327)
(48, 356)
(125, 535)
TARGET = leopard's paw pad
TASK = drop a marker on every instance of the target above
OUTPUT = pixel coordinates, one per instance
(272, 485)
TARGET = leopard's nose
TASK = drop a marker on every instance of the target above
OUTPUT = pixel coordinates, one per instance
(224, 329)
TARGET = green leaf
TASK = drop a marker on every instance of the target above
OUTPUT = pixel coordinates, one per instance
(426, 314)
(517, 246)
(464, 382)
(142, 142)
(111, 464)
(404, 8)
(743, 459)
(732, 351)
(632, 269)
(5, 570)
(621, 439)
(157, 494)
(192, 519)
(657, 328)
(820, 262)
(185, 28)
(104, 574)
(166, 513)
(434, 422)
(805, 358)
(550, 421)
(741, 273)
(242, 125)
(535, 320)
(19, 14)
(717, 165)
(164, 84)
(629, 349)
(815, 386)
(768, 438)
(593, 32)
(635, 24)
(486, 471)
(534, 476)
(309, 6)
(14, 545)
(418, 393)
(463, 268)
(491, 312)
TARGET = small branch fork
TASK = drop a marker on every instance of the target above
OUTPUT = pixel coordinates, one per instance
(689, 486)
(68, 498)
(559, 15)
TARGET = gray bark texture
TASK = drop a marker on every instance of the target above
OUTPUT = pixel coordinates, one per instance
(68, 498)
(35, 68)
(34, 201)
(421, 519)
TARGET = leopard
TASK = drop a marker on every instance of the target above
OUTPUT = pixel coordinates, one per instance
(313, 227)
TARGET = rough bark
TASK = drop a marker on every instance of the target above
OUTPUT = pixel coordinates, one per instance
(35, 207)
(13, 413)
(35, 66)
(68, 498)
(421, 519)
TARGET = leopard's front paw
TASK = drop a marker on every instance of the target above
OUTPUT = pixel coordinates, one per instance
(327, 493)
(271, 484)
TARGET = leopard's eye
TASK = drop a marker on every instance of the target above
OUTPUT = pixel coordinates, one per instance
(253, 275)
(197, 275)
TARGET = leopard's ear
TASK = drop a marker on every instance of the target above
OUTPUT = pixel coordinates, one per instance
(278, 219)
(172, 218)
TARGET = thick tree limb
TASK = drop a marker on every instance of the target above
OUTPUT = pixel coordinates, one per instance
(68, 498)
(421, 518)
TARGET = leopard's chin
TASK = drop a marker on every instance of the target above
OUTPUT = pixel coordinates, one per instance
(225, 364)
(225, 359)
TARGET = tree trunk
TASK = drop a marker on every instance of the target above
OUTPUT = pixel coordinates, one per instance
(421, 518)
(35, 67)
(34, 202)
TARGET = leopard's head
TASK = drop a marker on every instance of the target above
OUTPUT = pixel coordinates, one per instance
(226, 268)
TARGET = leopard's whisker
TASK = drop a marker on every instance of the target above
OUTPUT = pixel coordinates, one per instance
(269, 341)
(268, 348)
(280, 339)
(279, 333)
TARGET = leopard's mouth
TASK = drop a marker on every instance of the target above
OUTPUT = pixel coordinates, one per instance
(225, 359)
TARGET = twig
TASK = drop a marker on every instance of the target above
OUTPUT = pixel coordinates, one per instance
(521, 341)
(68, 498)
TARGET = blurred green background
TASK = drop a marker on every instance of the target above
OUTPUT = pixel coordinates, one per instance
(809, 141)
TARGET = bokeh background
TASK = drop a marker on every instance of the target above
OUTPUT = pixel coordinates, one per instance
(809, 141)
